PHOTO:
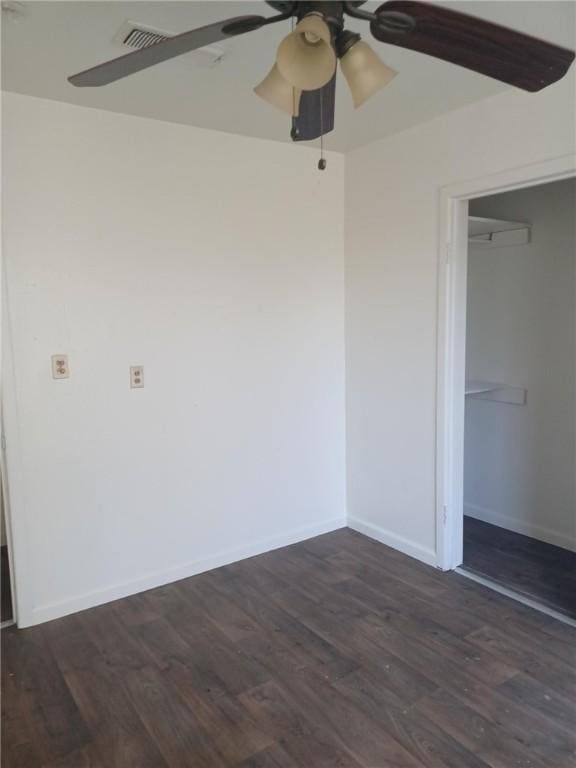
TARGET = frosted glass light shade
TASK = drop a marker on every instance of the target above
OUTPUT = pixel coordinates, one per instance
(279, 92)
(365, 72)
(306, 57)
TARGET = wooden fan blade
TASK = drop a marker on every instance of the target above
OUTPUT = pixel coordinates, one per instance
(317, 110)
(492, 50)
(102, 74)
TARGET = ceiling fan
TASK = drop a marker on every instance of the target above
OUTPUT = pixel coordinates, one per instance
(302, 81)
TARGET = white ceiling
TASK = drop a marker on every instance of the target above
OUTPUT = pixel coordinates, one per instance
(55, 39)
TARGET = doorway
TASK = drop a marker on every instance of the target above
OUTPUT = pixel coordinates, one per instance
(520, 404)
(496, 424)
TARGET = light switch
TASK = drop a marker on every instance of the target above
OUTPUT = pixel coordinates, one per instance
(60, 369)
(136, 376)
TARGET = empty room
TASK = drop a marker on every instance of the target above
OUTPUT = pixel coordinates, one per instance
(288, 384)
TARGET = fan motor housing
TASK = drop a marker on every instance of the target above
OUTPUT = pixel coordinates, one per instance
(283, 6)
(332, 12)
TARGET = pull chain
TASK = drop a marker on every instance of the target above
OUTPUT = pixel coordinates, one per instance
(294, 129)
(322, 161)
(293, 89)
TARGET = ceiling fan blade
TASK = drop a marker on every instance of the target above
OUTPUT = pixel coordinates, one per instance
(316, 115)
(102, 74)
(504, 54)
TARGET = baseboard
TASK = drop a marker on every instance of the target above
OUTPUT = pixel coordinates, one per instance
(406, 546)
(183, 571)
(515, 596)
(518, 526)
(7, 623)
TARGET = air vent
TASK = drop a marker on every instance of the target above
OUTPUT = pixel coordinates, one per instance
(135, 36)
(142, 38)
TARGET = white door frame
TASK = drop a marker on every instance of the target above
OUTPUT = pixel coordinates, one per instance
(451, 347)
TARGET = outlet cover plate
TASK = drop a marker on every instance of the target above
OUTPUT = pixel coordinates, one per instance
(136, 376)
(60, 368)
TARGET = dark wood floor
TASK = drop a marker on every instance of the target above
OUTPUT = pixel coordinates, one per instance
(533, 568)
(334, 653)
(5, 595)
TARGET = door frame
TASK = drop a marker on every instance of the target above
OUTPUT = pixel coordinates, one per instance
(451, 339)
(7, 406)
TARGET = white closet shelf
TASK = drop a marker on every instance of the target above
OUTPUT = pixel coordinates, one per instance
(476, 387)
(497, 233)
(499, 393)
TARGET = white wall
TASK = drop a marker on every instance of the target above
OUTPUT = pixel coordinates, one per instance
(392, 218)
(214, 261)
(519, 469)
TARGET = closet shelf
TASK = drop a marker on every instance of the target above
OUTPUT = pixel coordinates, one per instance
(499, 393)
(497, 233)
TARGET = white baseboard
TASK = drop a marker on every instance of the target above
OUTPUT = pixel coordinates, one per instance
(384, 536)
(167, 576)
(520, 526)
(516, 596)
(7, 623)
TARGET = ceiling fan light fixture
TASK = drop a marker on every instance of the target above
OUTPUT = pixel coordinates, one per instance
(278, 92)
(306, 58)
(365, 72)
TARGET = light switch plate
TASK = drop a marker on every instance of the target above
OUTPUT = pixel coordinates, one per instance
(60, 368)
(136, 376)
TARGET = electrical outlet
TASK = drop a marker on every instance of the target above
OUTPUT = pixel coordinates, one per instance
(60, 369)
(136, 376)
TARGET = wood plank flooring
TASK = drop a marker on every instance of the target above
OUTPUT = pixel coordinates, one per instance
(337, 652)
(533, 568)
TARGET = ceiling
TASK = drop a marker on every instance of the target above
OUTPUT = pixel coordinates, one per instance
(52, 40)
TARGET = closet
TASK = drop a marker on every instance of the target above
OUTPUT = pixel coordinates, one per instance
(520, 407)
